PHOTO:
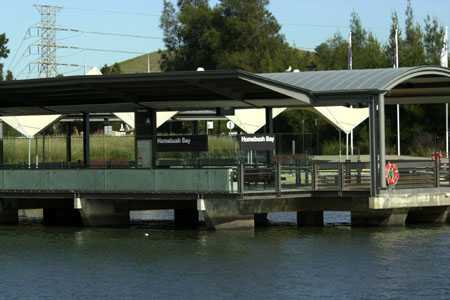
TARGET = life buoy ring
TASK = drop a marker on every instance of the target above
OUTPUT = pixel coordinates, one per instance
(391, 173)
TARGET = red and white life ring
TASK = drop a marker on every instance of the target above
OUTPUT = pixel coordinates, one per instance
(391, 173)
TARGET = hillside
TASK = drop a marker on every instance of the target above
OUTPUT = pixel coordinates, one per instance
(139, 64)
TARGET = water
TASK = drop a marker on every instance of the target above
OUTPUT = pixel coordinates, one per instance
(282, 262)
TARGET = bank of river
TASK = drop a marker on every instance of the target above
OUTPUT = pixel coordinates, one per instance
(281, 262)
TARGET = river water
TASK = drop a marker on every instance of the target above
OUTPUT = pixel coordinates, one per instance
(281, 262)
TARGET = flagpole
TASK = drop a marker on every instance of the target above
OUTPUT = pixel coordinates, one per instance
(346, 146)
(350, 67)
(446, 129)
(396, 65)
(444, 64)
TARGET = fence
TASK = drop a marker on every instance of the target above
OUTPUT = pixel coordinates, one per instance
(308, 175)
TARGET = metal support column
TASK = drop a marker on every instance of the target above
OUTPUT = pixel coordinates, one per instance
(268, 129)
(69, 142)
(195, 130)
(373, 147)
(269, 121)
(86, 146)
(1, 143)
(382, 141)
(153, 133)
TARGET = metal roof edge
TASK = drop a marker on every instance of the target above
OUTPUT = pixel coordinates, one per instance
(280, 84)
(416, 71)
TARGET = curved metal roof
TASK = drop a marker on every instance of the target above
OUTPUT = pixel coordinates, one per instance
(348, 81)
(227, 89)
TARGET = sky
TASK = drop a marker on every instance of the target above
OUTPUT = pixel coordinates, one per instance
(305, 23)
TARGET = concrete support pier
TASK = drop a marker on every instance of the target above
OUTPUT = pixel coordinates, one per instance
(384, 217)
(427, 215)
(261, 220)
(226, 214)
(310, 218)
(103, 213)
(9, 216)
(61, 217)
(186, 218)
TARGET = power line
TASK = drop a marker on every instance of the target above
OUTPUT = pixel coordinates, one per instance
(95, 49)
(26, 35)
(113, 12)
(137, 36)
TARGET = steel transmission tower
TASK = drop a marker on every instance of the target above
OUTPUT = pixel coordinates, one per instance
(47, 66)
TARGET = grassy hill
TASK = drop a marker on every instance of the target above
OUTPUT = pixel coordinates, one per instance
(139, 64)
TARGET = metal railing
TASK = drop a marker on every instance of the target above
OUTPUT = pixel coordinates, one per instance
(337, 176)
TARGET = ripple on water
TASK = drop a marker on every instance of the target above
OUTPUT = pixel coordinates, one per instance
(278, 262)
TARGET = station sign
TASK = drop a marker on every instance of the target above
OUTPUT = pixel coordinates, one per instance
(257, 142)
(182, 143)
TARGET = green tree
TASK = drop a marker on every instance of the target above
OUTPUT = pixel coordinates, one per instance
(9, 75)
(412, 52)
(110, 70)
(185, 3)
(232, 34)
(367, 51)
(433, 40)
(332, 55)
(4, 51)
(169, 25)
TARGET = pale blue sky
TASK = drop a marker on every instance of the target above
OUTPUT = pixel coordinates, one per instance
(304, 22)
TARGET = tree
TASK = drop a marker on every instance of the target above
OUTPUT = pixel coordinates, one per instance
(412, 52)
(185, 3)
(9, 75)
(332, 55)
(4, 51)
(433, 40)
(367, 51)
(169, 25)
(232, 34)
(110, 70)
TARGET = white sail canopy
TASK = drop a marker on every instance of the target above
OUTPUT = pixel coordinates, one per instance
(251, 120)
(161, 117)
(29, 126)
(344, 118)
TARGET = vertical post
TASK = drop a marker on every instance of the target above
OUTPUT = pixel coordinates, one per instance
(314, 177)
(195, 155)
(373, 147)
(382, 140)
(86, 146)
(29, 153)
(298, 174)
(43, 148)
(69, 142)
(269, 130)
(398, 130)
(352, 148)
(346, 146)
(36, 154)
(1, 144)
(446, 130)
(278, 177)
(341, 179)
(153, 135)
(241, 178)
(437, 172)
